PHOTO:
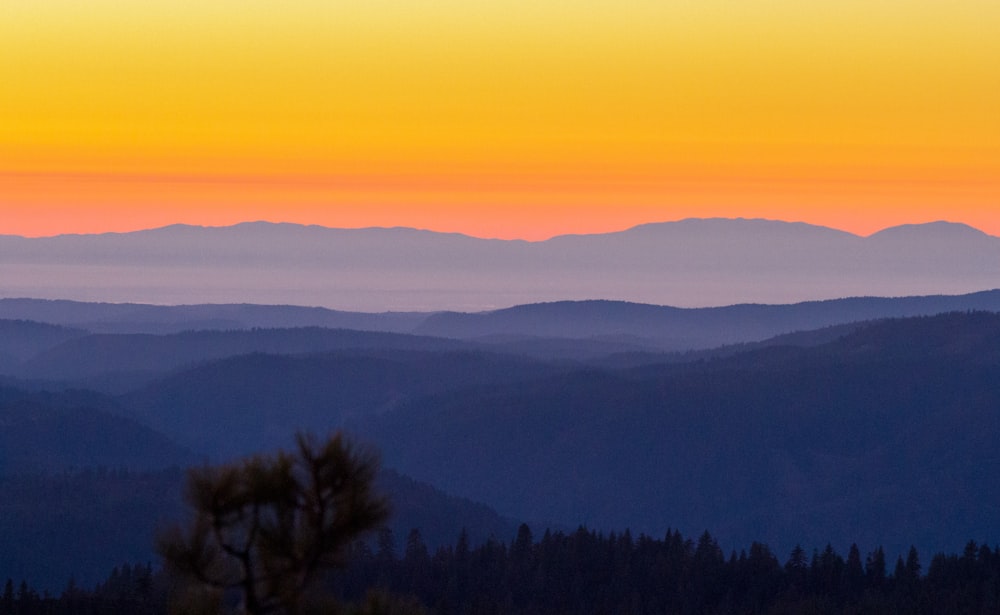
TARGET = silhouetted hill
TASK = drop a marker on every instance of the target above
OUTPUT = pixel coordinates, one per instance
(885, 436)
(56, 432)
(693, 262)
(255, 402)
(439, 517)
(57, 527)
(678, 329)
(22, 339)
(162, 319)
(586, 349)
(805, 339)
(143, 356)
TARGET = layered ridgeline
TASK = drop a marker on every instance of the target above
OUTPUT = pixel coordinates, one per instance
(879, 432)
(886, 435)
(568, 328)
(689, 263)
(85, 488)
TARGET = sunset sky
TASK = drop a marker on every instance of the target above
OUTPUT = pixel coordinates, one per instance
(510, 118)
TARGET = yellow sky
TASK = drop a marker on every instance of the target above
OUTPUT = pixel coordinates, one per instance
(448, 114)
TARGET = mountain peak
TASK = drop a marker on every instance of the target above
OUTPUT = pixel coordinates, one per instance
(940, 229)
(737, 225)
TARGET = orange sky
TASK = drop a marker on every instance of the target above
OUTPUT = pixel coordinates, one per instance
(497, 119)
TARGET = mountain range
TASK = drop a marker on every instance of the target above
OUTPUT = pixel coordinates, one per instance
(871, 428)
(571, 329)
(695, 262)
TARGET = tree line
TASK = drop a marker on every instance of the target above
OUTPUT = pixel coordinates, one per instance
(587, 572)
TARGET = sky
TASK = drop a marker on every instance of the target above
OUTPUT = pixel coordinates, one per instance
(512, 118)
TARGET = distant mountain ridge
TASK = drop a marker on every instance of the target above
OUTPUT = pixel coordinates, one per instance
(559, 329)
(694, 262)
(101, 353)
(103, 317)
(691, 328)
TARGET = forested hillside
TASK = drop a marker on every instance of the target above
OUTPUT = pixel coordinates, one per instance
(879, 432)
(247, 403)
(883, 436)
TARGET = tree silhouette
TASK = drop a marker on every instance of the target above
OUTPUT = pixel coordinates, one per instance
(263, 527)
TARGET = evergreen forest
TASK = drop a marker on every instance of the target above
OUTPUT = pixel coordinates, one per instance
(589, 573)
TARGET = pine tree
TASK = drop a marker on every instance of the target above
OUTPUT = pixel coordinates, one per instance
(875, 570)
(266, 526)
(7, 601)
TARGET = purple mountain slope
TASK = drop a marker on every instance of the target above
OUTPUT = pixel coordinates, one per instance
(696, 262)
